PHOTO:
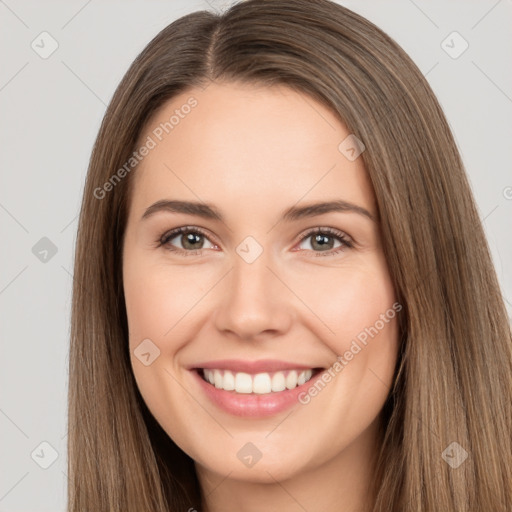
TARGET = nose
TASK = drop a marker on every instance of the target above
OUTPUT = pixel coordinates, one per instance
(254, 302)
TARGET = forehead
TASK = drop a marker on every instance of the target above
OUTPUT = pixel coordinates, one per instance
(250, 145)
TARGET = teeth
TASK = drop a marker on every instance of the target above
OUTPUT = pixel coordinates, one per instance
(228, 382)
(278, 382)
(243, 383)
(217, 379)
(291, 380)
(261, 383)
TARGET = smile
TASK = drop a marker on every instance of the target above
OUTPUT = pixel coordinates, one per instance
(260, 383)
(253, 389)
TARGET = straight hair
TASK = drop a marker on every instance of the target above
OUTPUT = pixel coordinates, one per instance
(453, 379)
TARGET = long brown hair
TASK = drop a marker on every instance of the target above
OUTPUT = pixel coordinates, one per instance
(454, 374)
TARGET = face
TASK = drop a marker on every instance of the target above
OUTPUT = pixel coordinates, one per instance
(287, 308)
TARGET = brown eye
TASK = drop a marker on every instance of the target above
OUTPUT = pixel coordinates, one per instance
(185, 240)
(190, 240)
(326, 240)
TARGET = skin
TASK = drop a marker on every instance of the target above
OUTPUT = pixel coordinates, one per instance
(253, 152)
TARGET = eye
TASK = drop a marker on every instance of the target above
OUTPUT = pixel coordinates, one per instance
(323, 241)
(189, 240)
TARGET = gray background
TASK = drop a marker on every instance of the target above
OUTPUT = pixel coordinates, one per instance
(51, 109)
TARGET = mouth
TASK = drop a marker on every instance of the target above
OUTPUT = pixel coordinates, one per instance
(254, 388)
(263, 383)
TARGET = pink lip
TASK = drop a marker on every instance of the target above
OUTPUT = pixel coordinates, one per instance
(253, 405)
(252, 367)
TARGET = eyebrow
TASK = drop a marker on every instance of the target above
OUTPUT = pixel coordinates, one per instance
(294, 213)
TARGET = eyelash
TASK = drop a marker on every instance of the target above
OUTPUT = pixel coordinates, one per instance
(346, 242)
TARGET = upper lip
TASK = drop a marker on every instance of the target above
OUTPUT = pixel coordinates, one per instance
(260, 366)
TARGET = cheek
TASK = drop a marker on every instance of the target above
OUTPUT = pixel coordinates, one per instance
(347, 301)
(153, 307)
(147, 306)
(157, 297)
(162, 305)
(355, 315)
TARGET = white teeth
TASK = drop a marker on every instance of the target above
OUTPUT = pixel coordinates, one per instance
(243, 383)
(278, 382)
(291, 380)
(261, 383)
(229, 381)
(217, 379)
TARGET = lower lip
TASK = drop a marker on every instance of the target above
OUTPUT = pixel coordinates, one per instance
(251, 404)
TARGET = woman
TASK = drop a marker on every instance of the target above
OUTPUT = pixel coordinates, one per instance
(216, 362)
